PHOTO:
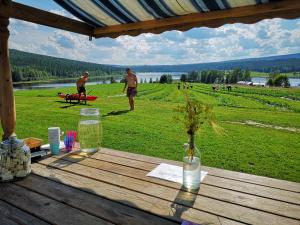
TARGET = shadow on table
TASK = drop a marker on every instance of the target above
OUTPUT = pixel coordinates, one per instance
(67, 159)
(183, 201)
(119, 211)
(73, 189)
(116, 113)
(90, 190)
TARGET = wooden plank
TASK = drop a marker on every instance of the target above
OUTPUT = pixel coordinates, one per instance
(10, 215)
(127, 197)
(254, 179)
(260, 203)
(91, 203)
(224, 209)
(45, 208)
(236, 185)
(7, 100)
(288, 9)
(34, 15)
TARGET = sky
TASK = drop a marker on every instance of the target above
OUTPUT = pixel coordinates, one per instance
(198, 45)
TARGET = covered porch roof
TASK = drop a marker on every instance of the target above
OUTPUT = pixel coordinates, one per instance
(112, 18)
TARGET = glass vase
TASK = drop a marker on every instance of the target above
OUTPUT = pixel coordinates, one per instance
(89, 130)
(191, 166)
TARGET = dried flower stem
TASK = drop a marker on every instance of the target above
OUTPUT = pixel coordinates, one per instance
(195, 114)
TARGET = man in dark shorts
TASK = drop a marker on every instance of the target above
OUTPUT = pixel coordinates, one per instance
(131, 83)
(80, 83)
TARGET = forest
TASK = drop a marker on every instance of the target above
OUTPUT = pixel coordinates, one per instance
(283, 63)
(31, 67)
(217, 76)
(34, 67)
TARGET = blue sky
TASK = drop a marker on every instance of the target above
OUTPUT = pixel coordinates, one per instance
(198, 45)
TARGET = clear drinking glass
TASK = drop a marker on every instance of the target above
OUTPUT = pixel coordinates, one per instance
(89, 130)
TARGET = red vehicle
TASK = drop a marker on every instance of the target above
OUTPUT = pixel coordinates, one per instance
(70, 97)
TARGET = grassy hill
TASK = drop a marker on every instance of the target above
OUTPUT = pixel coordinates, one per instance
(34, 67)
(29, 67)
(284, 64)
(262, 126)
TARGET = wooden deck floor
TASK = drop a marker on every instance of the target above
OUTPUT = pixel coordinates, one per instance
(111, 187)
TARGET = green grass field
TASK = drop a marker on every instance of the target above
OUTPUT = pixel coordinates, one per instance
(151, 129)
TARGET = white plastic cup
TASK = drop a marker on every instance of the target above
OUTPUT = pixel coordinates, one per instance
(54, 135)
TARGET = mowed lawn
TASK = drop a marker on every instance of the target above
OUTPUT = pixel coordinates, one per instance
(152, 130)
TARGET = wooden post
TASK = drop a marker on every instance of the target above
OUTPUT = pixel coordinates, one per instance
(7, 101)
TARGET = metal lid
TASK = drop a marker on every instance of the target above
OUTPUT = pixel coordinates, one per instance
(89, 112)
(11, 143)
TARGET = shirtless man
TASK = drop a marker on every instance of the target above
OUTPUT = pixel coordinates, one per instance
(80, 83)
(131, 83)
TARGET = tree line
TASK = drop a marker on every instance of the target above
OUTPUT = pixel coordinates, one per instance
(217, 76)
(226, 77)
(278, 80)
(30, 67)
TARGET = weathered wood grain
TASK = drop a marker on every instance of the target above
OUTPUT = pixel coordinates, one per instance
(10, 215)
(252, 201)
(93, 204)
(235, 184)
(46, 208)
(260, 180)
(224, 209)
(216, 181)
(7, 100)
(34, 15)
(150, 204)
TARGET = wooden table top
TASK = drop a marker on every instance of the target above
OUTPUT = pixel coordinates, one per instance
(111, 187)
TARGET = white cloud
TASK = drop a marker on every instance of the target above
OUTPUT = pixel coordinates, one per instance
(268, 37)
(23, 24)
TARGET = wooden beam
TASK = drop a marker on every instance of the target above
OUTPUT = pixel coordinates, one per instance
(287, 9)
(7, 101)
(30, 14)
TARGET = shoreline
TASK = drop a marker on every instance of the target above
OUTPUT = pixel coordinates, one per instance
(64, 80)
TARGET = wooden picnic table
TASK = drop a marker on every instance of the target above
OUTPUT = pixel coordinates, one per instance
(111, 187)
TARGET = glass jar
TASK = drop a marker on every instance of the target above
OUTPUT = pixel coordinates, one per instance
(89, 130)
(191, 166)
(15, 159)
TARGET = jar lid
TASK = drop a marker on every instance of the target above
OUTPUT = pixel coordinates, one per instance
(11, 143)
(89, 112)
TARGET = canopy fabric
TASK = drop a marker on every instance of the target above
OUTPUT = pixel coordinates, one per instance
(104, 13)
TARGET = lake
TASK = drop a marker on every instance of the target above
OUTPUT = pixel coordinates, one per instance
(140, 76)
(295, 82)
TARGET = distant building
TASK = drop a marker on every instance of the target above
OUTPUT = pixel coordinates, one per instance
(246, 83)
(258, 84)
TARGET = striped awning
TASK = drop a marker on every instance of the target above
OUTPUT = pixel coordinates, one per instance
(102, 13)
(112, 18)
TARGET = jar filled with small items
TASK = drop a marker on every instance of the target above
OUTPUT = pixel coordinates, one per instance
(15, 159)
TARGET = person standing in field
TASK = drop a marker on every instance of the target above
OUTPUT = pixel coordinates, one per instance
(131, 83)
(80, 83)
